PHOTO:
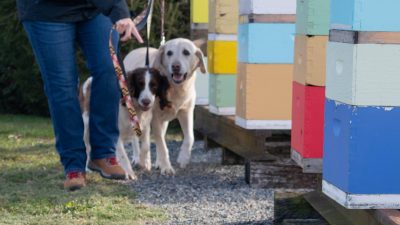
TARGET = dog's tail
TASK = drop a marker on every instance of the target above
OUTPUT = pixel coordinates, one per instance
(84, 94)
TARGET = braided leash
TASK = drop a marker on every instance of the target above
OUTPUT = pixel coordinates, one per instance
(126, 98)
(141, 20)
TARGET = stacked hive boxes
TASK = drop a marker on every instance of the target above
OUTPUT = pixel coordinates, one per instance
(362, 114)
(199, 31)
(222, 53)
(312, 28)
(266, 46)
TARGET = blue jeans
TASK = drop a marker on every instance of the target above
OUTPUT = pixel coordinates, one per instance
(55, 48)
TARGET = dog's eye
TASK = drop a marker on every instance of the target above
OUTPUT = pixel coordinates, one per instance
(186, 52)
(152, 84)
(170, 53)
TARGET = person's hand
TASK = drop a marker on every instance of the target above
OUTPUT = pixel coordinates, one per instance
(126, 27)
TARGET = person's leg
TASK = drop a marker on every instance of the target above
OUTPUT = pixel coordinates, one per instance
(93, 37)
(54, 48)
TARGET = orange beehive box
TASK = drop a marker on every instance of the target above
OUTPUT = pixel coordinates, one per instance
(310, 60)
(264, 96)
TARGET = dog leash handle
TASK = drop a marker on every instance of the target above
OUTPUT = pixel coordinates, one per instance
(134, 120)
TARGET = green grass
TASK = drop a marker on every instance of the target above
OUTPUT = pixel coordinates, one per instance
(31, 183)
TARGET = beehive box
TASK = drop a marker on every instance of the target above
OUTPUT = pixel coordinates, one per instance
(264, 96)
(266, 43)
(365, 15)
(199, 11)
(222, 98)
(310, 60)
(247, 7)
(308, 126)
(222, 54)
(223, 16)
(361, 155)
(201, 86)
(312, 17)
(363, 74)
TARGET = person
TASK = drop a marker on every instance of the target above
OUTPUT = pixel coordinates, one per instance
(55, 28)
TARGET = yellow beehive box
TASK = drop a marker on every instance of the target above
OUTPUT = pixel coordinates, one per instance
(264, 96)
(310, 60)
(222, 56)
(223, 16)
(199, 11)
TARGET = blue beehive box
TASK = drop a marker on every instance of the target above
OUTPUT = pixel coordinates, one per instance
(365, 15)
(261, 43)
(362, 155)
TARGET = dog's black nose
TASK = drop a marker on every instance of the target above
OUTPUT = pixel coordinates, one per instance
(176, 67)
(146, 102)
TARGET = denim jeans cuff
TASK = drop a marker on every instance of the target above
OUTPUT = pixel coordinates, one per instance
(69, 170)
(102, 155)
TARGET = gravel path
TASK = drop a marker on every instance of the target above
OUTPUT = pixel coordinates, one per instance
(205, 192)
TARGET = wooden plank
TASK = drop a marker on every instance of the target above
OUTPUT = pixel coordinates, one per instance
(267, 18)
(364, 37)
(281, 173)
(222, 129)
(336, 214)
(231, 158)
(290, 206)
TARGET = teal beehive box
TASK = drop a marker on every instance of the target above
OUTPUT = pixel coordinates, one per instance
(222, 94)
(312, 17)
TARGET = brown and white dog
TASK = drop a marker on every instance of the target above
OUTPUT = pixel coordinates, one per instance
(177, 60)
(145, 86)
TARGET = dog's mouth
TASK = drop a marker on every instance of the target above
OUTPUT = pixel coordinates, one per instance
(178, 77)
(145, 108)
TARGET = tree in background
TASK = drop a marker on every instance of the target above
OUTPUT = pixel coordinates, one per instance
(21, 88)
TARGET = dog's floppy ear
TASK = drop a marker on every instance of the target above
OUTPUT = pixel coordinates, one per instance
(158, 63)
(162, 89)
(132, 82)
(201, 63)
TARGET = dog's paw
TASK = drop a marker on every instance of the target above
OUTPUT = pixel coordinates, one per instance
(167, 171)
(131, 176)
(146, 166)
(183, 159)
(165, 168)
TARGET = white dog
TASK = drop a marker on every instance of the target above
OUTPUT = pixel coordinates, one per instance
(177, 60)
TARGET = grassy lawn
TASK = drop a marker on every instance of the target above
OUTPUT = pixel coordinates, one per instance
(31, 180)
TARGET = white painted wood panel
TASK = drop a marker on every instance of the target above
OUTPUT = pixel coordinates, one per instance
(267, 7)
(363, 74)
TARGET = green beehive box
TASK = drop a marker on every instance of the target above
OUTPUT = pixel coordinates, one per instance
(222, 94)
(312, 17)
